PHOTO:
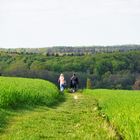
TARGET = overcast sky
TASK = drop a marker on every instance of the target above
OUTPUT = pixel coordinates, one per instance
(42, 23)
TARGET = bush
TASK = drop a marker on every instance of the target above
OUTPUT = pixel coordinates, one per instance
(136, 86)
(89, 86)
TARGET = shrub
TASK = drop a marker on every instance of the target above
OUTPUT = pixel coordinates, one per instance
(136, 86)
(89, 86)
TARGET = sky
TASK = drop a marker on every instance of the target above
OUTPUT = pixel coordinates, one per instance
(44, 23)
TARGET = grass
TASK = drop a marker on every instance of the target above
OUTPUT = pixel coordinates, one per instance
(76, 118)
(28, 110)
(121, 107)
(21, 91)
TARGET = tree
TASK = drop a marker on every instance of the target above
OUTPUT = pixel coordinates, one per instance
(103, 66)
(37, 65)
(136, 85)
(89, 86)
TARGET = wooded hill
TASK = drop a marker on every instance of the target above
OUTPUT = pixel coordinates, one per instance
(69, 50)
(105, 70)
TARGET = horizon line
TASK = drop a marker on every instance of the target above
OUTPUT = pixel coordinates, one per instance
(70, 46)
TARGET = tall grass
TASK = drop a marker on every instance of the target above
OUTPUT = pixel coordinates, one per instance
(122, 108)
(22, 91)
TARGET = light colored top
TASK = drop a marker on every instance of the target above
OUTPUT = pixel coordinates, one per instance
(61, 80)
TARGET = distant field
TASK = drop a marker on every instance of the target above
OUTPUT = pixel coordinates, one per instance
(122, 109)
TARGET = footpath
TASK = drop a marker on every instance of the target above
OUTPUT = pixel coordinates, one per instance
(77, 118)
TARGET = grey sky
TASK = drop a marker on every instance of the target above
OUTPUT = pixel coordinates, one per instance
(41, 23)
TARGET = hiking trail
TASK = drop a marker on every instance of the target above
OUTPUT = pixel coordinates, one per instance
(75, 118)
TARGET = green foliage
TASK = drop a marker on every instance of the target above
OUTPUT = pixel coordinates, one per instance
(37, 65)
(22, 91)
(112, 70)
(121, 80)
(89, 86)
(103, 66)
(136, 85)
(17, 66)
(100, 63)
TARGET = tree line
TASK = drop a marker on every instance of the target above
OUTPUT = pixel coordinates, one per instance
(71, 50)
(116, 70)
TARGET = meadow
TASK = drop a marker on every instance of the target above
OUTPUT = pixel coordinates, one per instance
(28, 110)
(15, 92)
(19, 93)
(121, 109)
(34, 109)
(73, 119)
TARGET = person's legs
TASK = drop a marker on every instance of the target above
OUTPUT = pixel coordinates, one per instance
(71, 87)
(61, 88)
(74, 87)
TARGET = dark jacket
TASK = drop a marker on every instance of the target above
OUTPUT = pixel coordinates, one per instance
(74, 81)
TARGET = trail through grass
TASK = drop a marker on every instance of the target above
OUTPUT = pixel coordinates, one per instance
(76, 118)
(18, 93)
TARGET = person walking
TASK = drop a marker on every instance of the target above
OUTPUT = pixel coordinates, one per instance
(61, 82)
(74, 82)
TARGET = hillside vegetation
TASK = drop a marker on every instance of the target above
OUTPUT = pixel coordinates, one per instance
(74, 50)
(121, 108)
(117, 70)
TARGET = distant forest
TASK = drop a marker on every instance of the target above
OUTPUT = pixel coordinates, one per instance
(67, 50)
(116, 69)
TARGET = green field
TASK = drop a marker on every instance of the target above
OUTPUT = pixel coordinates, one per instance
(26, 113)
(34, 109)
(20, 91)
(121, 108)
(72, 119)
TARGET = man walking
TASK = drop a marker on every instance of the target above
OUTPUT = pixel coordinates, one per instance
(74, 82)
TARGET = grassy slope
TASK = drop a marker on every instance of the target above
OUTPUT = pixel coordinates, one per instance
(122, 108)
(76, 118)
(16, 93)
(21, 91)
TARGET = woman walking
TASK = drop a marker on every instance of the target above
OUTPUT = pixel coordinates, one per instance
(61, 81)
